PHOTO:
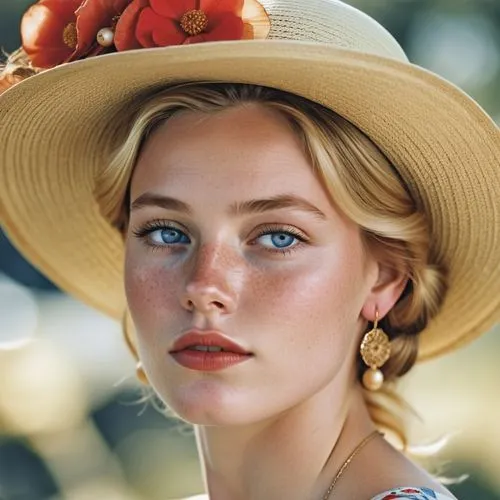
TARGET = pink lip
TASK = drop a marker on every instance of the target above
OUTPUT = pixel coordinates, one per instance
(207, 338)
(205, 360)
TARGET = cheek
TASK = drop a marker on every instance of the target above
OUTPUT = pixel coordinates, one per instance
(302, 321)
(322, 295)
(151, 292)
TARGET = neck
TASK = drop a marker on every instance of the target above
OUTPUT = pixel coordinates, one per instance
(294, 455)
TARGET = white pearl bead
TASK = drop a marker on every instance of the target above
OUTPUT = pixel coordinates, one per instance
(373, 379)
(105, 37)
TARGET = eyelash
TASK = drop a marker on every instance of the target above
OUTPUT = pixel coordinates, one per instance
(290, 231)
(155, 225)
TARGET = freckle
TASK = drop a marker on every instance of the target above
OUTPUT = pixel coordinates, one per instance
(152, 286)
(221, 259)
(268, 290)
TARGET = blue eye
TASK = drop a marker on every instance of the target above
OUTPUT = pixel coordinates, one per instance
(168, 236)
(279, 240)
(160, 234)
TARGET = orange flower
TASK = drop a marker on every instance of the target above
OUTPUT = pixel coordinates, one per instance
(48, 32)
(125, 38)
(160, 23)
(92, 16)
(58, 31)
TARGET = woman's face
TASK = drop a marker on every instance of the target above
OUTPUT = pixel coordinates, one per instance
(285, 277)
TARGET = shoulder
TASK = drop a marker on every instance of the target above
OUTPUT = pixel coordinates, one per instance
(411, 493)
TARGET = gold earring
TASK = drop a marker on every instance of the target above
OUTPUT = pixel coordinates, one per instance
(141, 374)
(375, 350)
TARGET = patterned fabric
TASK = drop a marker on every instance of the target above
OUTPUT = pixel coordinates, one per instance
(395, 493)
(412, 494)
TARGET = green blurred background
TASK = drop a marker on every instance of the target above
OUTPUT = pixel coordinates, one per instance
(72, 424)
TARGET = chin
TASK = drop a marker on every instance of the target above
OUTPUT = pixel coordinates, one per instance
(206, 403)
(210, 417)
(209, 414)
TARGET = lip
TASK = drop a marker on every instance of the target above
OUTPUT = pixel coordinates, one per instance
(205, 360)
(210, 338)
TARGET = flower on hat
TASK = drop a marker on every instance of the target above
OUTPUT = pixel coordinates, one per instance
(48, 32)
(160, 23)
(57, 31)
(96, 18)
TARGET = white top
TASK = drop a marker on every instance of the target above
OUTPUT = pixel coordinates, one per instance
(408, 492)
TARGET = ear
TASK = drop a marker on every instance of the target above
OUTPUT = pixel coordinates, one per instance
(385, 292)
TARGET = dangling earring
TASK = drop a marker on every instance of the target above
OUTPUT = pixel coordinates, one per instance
(141, 374)
(375, 350)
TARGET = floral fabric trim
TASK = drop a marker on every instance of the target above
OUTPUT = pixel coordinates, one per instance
(412, 494)
(395, 493)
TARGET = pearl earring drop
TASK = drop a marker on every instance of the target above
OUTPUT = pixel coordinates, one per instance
(375, 351)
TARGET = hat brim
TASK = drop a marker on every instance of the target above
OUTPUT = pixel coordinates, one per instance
(57, 132)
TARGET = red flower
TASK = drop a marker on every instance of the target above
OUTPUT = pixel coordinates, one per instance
(125, 29)
(92, 16)
(48, 32)
(58, 31)
(160, 23)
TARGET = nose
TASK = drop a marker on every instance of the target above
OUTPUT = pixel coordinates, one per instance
(212, 282)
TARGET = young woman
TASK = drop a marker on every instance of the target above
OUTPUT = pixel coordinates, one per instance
(284, 211)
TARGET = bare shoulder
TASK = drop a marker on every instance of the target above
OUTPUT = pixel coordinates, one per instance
(387, 474)
(384, 469)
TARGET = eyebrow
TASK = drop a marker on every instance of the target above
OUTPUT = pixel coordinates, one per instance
(158, 200)
(238, 208)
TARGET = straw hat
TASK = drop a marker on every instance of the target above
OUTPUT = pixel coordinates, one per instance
(57, 131)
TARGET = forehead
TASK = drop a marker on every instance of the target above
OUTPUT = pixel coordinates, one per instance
(247, 150)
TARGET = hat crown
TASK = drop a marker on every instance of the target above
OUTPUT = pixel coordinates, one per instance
(332, 22)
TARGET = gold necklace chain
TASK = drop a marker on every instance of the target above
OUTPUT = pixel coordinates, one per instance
(348, 461)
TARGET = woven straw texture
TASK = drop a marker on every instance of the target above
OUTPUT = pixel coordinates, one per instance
(57, 131)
